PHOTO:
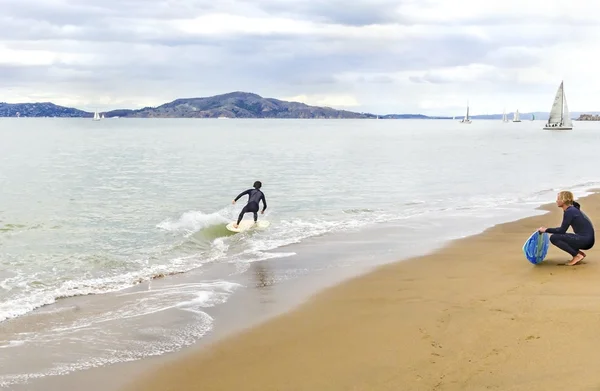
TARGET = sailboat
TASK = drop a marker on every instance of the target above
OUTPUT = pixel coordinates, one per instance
(504, 117)
(516, 117)
(559, 118)
(466, 120)
(532, 117)
(96, 116)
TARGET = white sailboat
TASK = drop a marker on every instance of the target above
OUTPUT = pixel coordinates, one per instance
(102, 116)
(516, 117)
(560, 118)
(466, 120)
(504, 117)
(96, 116)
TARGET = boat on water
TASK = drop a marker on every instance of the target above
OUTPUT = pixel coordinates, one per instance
(516, 116)
(559, 118)
(467, 119)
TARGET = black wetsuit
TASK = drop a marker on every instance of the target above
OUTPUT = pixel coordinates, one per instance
(254, 197)
(583, 237)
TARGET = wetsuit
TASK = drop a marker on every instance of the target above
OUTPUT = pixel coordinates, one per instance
(254, 197)
(583, 237)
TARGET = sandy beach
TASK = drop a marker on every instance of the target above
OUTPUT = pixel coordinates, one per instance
(474, 315)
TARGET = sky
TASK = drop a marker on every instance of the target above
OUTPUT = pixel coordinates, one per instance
(377, 56)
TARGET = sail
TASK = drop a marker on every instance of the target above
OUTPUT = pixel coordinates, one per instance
(467, 116)
(566, 117)
(557, 107)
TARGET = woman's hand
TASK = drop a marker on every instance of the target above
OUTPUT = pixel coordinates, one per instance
(542, 229)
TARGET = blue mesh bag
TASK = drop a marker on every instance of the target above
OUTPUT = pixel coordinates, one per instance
(536, 247)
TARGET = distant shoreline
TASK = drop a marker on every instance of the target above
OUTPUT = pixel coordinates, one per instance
(394, 117)
(236, 105)
(588, 117)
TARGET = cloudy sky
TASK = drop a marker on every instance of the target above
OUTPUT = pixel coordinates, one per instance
(381, 56)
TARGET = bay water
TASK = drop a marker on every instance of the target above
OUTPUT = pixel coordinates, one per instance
(113, 244)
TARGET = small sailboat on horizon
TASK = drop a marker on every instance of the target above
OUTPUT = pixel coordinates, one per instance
(560, 118)
(504, 116)
(467, 119)
(96, 116)
(516, 116)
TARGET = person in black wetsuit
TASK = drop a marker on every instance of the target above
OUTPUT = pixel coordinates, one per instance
(583, 237)
(254, 197)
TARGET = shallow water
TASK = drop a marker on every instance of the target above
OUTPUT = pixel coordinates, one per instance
(100, 210)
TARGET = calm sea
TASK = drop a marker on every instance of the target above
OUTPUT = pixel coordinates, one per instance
(113, 244)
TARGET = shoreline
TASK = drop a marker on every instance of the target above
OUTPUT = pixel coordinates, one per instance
(234, 318)
(361, 323)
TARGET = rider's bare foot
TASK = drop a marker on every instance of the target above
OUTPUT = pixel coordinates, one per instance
(235, 226)
(576, 259)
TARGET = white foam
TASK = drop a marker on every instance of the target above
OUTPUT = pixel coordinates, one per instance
(194, 221)
(31, 299)
(10, 344)
(159, 341)
(95, 333)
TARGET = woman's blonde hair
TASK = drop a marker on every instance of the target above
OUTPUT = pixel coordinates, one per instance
(566, 197)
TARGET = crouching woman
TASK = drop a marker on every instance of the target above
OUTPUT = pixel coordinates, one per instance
(583, 236)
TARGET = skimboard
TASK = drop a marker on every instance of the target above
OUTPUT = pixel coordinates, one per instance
(536, 247)
(248, 224)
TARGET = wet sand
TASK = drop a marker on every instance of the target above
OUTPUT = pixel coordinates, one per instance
(474, 315)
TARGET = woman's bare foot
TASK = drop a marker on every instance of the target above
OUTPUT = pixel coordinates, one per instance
(576, 259)
(235, 226)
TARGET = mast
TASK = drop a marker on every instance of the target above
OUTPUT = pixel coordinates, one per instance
(562, 104)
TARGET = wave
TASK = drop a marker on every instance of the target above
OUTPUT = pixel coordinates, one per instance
(35, 298)
(194, 221)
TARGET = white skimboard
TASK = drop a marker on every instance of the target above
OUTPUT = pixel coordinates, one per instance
(248, 224)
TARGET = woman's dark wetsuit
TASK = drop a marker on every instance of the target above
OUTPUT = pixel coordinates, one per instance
(583, 236)
(254, 197)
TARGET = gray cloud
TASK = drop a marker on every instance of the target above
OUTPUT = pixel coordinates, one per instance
(132, 48)
(355, 13)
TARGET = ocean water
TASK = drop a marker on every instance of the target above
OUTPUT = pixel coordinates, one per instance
(113, 244)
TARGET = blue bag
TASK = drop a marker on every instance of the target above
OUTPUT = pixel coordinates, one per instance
(536, 247)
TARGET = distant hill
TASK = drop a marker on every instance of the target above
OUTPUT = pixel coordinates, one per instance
(233, 105)
(237, 105)
(44, 109)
